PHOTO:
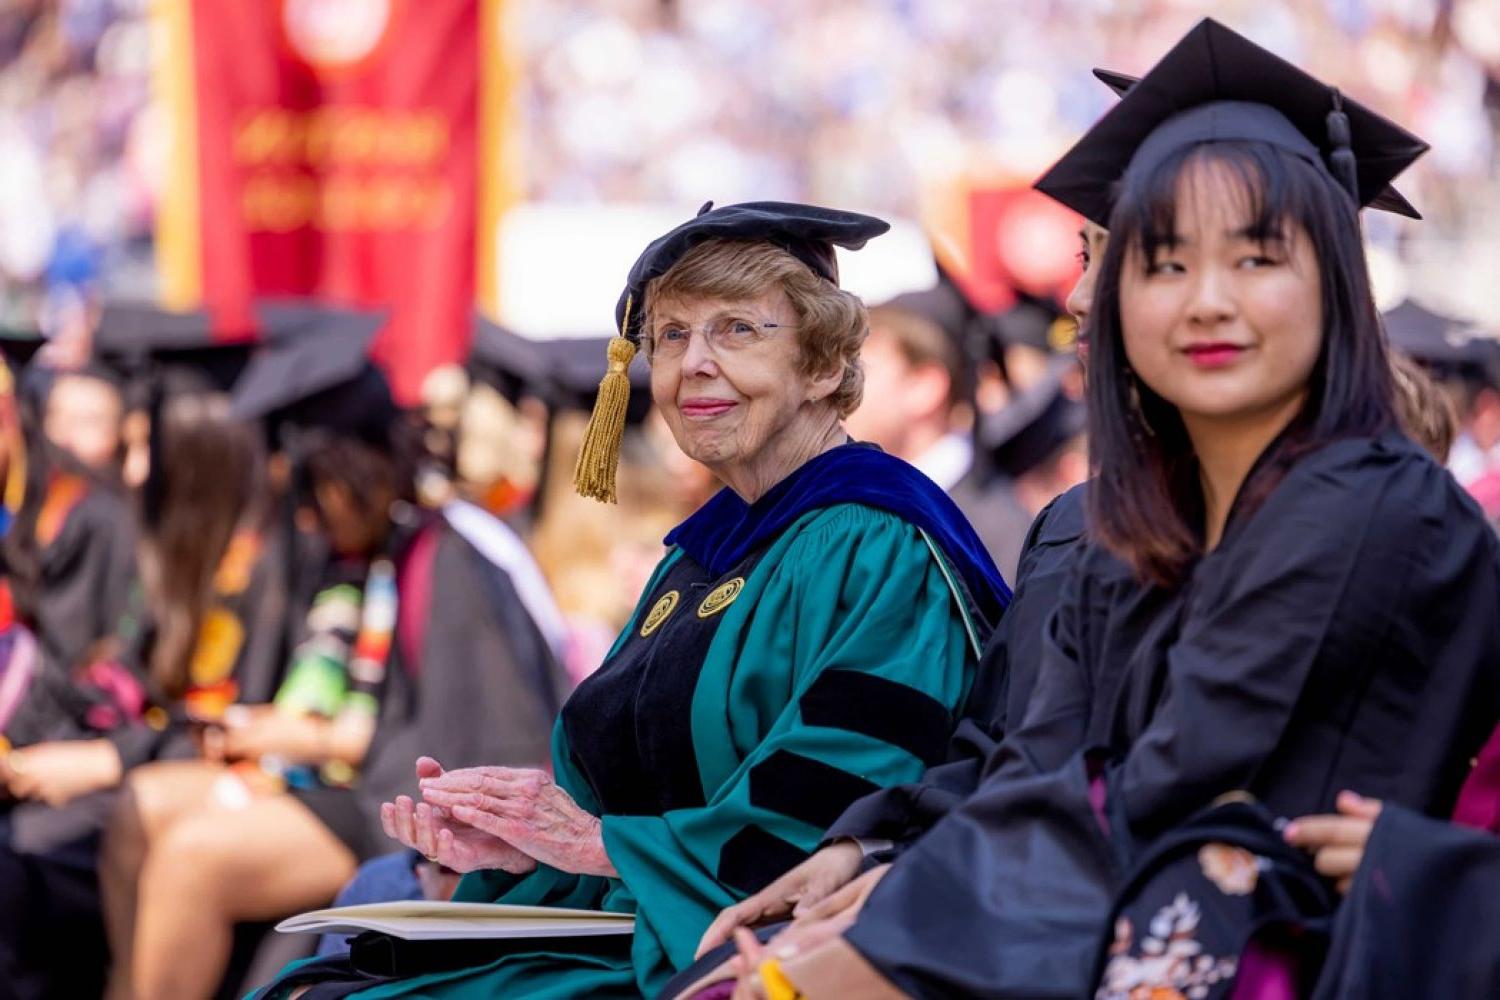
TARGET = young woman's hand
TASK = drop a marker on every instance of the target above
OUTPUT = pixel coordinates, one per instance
(1337, 841)
(827, 919)
(806, 885)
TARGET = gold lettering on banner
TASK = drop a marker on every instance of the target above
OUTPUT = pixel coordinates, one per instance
(341, 137)
(284, 201)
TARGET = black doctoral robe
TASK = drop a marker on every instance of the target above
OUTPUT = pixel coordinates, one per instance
(1341, 636)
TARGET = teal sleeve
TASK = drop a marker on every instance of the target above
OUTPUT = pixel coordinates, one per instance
(836, 671)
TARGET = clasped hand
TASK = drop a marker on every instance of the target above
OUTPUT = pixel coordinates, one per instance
(497, 817)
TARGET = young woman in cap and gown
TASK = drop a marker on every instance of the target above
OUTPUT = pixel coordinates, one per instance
(874, 830)
(414, 639)
(1283, 596)
(808, 637)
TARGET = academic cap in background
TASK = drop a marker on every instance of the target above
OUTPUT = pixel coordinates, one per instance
(18, 347)
(563, 372)
(511, 364)
(136, 339)
(1038, 324)
(1033, 426)
(945, 306)
(1216, 86)
(573, 376)
(316, 373)
(143, 343)
(808, 232)
(1449, 346)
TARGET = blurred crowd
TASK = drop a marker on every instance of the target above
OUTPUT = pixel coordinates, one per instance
(873, 104)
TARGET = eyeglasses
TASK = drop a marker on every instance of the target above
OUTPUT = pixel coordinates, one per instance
(724, 335)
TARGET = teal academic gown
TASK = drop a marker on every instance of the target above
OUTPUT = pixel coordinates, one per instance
(826, 663)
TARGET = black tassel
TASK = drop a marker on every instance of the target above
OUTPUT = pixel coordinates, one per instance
(1341, 160)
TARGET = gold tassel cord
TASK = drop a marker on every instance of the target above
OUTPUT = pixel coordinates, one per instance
(599, 456)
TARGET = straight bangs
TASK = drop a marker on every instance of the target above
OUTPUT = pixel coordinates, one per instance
(1270, 192)
(1148, 506)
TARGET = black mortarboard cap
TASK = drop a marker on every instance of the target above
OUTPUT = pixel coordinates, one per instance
(1215, 86)
(513, 365)
(1038, 324)
(942, 305)
(1033, 425)
(807, 232)
(139, 340)
(1446, 344)
(573, 376)
(1389, 200)
(19, 346)
(315, 372)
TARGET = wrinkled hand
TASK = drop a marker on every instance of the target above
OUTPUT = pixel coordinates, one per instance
(57, 773)
(526, 809)
(1337, 842)
(828, 919)
(437, 835)
(792, 894)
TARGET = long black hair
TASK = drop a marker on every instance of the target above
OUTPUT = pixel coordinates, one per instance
(1146, 503)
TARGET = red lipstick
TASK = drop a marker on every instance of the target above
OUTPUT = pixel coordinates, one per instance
(1213, 354)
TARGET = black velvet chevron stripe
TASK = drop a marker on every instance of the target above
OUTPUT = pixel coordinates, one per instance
(887, 710)
(804, 788)
(753, 858)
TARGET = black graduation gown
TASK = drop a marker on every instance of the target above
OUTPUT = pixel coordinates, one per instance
(87, 575)
(482, 688)
(262, 609)
(1003, 684)
(988, 500)
(1422, 918)
(1341, 636)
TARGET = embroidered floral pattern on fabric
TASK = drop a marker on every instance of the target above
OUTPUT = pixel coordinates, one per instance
(1234, 870)
(1170, 965)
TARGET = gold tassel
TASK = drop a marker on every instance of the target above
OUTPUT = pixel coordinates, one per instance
(599, 456)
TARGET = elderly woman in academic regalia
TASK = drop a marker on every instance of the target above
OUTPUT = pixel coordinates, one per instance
(807, 638)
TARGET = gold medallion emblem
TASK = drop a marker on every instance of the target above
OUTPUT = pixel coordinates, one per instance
(660, 612)
(721, 598)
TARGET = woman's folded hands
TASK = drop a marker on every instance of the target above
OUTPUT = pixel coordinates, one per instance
(497, 817)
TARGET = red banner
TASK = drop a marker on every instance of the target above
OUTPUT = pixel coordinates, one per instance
(997, 236)
(333, 149)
